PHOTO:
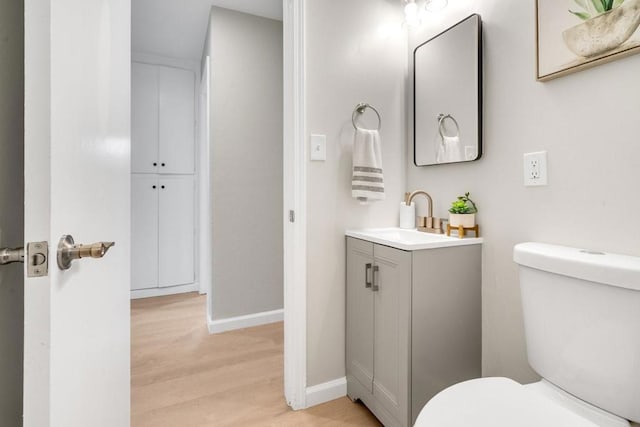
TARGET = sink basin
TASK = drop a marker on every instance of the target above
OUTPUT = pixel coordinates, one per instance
(410, 240)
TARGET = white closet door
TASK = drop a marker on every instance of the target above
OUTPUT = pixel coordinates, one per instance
(176, 245)
(144, 118)
(144, 232)
(177, 120)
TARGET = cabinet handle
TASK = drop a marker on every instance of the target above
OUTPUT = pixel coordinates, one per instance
(375, 286)
(367, 270)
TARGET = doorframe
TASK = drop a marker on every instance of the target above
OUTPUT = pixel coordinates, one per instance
(294, 199)
(294, 188)
(204, 178)
(36, 399)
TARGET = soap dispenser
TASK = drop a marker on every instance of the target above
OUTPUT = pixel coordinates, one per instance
(407, 214)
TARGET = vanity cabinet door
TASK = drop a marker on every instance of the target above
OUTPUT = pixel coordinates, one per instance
(392, 324)
(359, 361)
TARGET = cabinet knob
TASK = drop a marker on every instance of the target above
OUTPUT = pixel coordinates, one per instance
(154, 187)
(155, 164)
(162, 186)
(162, 164)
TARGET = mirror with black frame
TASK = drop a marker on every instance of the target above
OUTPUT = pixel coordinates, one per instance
(447, 95)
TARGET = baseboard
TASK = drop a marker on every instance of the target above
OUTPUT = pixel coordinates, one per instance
(325, 392)
(247, 321)
(160, 292)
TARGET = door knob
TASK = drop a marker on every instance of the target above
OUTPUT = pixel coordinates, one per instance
(68, 251)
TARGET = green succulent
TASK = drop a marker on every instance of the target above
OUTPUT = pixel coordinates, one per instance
(594, 7)
(463, 205)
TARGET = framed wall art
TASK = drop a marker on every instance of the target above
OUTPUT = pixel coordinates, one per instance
(576, 34)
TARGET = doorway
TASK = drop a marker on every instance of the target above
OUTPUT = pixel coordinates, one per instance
(240, 172)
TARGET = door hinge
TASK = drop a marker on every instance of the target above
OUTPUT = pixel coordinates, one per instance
(37, 259)
(292, 216)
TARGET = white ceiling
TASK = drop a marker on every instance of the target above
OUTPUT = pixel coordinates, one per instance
(177, 28)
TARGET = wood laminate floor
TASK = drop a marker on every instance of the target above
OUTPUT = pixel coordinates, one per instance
(183, 377)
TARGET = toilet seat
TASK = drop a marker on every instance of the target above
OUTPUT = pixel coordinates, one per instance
(496, 402)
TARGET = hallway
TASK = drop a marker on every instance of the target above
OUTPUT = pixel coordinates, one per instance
(182, 376)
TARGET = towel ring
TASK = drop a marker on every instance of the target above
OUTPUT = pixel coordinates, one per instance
(441, 119)
(360, 109)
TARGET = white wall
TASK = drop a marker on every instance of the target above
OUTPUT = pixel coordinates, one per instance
(152, 58)
(356, 52)
(177, 28)
(246, 164)
(588, 122)
(12, 212)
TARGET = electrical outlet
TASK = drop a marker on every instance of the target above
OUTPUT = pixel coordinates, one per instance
(535, 169)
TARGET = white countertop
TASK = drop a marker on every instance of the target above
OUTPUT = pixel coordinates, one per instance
(410, 240)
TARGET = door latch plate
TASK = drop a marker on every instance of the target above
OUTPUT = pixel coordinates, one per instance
(37, 259)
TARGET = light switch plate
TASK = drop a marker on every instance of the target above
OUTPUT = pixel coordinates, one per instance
(535, 169)
(318, 147)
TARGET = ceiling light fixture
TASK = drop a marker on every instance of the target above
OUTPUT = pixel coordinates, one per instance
(411, 16)
(414, 14)
(435, 5)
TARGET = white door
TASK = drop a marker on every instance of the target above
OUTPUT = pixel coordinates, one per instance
(77, 182)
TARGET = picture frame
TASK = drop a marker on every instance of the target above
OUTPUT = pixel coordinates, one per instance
(573, 35)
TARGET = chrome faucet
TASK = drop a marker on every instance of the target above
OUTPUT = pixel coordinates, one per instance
(428, 224)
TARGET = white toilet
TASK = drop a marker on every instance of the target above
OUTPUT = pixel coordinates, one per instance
(582, 324)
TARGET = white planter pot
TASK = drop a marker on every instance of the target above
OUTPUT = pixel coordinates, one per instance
(604, 32)
(465, 220)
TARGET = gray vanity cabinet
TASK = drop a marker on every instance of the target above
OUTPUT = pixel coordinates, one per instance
(378, 327)
(413, 325)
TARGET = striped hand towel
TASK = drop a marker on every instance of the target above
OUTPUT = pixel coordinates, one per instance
(367, 183)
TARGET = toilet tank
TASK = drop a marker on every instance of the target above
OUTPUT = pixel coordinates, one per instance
(582, 323)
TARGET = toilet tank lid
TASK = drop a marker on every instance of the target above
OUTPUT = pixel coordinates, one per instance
(616, 270)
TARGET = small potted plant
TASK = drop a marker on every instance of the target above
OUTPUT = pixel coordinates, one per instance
(463, 212)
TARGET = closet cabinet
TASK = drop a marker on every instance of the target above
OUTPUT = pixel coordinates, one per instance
(163, 238)
(162, 119)
(413, 324)
(162, 166)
